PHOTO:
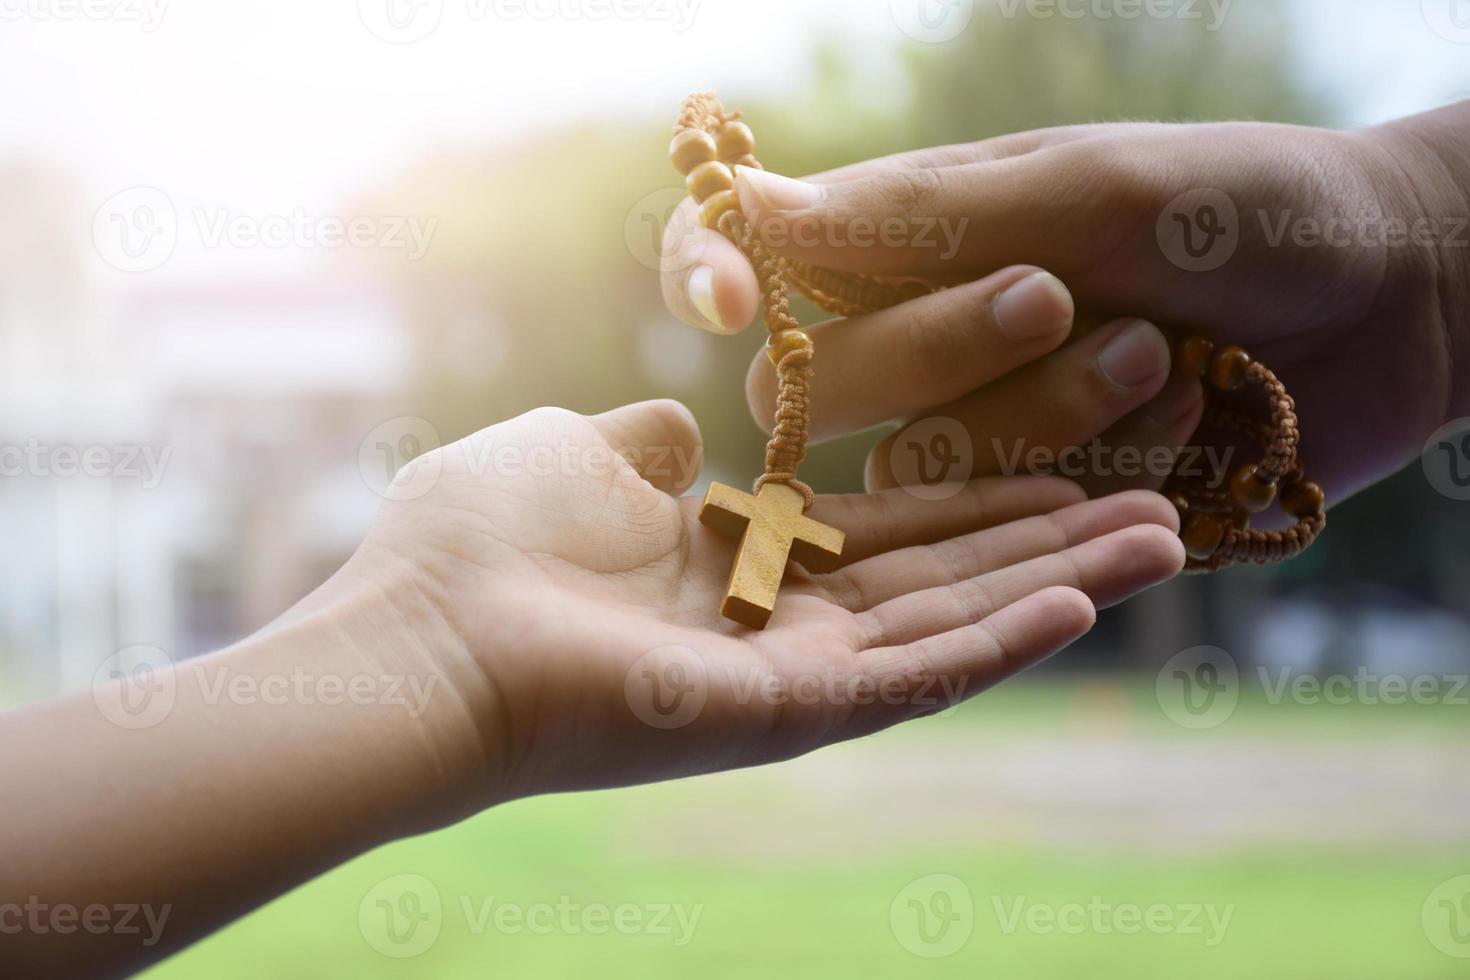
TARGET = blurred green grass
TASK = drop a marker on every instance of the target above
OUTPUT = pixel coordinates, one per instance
(811, 905)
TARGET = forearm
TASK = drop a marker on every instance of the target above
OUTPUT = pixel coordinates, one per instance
(278, 759)
(1430, 155)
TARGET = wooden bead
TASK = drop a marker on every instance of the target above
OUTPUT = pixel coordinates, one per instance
(735, 140)
(1304, 499)
(746, 161)
(1202, 536)
(1228, 369)
(711, 210)
(708, 179)
(1251, 492)
(1194, 356)
(690, 148)
(1181, 504)
(786, 342)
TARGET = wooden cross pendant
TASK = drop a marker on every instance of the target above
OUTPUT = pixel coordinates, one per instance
(771, 527)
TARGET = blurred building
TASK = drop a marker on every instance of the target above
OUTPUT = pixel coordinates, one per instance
(178, 463)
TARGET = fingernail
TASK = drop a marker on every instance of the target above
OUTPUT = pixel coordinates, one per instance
(701, 289)
(1137, 354)
(1177, 400)
(774, 192)
(1037, 306)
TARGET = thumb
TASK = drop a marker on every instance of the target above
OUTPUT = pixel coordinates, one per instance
(944, 224)
(660, 439)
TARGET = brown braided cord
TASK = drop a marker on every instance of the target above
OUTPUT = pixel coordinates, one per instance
(849, 294)
(787, 446)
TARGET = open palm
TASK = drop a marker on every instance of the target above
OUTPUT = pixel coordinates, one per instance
(584, 597)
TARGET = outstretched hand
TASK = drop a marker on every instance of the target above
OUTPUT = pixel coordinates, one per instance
(585, 596)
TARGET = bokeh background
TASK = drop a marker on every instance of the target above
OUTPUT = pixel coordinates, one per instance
(176, 307)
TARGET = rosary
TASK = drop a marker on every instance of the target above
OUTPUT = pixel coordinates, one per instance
(1215, 514)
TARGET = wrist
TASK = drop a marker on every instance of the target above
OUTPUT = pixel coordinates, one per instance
(1424, 166)
(389, 634)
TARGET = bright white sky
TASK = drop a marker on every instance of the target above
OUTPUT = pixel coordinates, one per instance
(274, 104)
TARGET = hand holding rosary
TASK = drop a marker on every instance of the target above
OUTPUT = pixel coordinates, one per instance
(1215, 515)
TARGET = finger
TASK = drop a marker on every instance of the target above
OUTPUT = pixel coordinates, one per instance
(953, 155)
(706, 281)
(922, 353)
(894, 519)
(1143, 448)
(659, 438)
(951, 667)
(876, 580)
(1039, 208)
(1107, 570)
(1037, 418)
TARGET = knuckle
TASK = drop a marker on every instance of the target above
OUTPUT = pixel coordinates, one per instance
(911, 191)
(936, 343)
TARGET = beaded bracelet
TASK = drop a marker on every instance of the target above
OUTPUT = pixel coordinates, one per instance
(1215, 522)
